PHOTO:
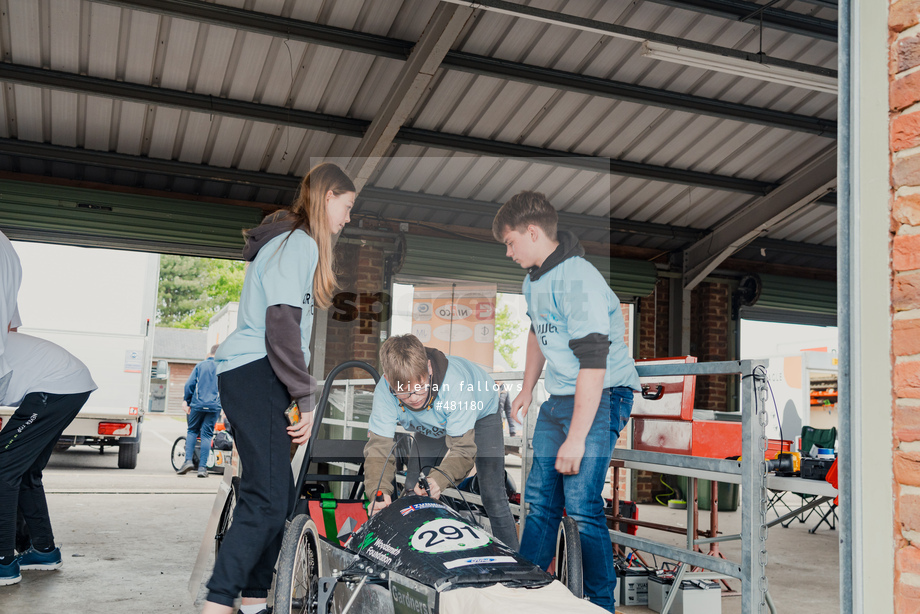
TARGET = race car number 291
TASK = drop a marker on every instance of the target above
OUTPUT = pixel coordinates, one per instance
(447, 535)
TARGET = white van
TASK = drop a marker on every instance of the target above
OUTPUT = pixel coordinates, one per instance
(99, 305)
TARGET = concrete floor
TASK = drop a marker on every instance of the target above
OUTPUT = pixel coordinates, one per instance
(802, 569)
(130, 538)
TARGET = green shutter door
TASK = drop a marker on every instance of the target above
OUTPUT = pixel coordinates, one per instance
(125, 221)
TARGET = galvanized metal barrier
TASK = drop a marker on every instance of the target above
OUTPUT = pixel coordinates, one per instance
(750, 472)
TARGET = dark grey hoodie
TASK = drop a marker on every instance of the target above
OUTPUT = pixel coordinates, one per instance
(282, 322)
(568, 247)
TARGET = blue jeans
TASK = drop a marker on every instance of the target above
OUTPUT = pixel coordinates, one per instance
(621, 402)
(200, 424)
(549, 492)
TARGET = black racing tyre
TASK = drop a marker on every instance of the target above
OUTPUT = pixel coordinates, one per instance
(127, 454)
(226, 514)
(569, 569)
(178, 453)
(297, 572)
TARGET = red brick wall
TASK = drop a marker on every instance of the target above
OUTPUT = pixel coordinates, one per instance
(355, 335)
(710, 315)
(904, 136)
(652, 312)
(653, 322)
(178, 375)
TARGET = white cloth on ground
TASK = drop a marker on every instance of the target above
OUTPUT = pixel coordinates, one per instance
(550, 599)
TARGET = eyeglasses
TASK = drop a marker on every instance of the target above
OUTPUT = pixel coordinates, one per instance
(406, 394)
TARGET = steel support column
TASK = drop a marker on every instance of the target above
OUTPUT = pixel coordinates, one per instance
(418, 71)
(811, 182)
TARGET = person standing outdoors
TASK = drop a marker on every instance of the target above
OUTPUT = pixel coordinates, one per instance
(262, 365)
(202, 407)
(577, 332)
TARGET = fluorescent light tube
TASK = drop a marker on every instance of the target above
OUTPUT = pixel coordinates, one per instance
(741, 68)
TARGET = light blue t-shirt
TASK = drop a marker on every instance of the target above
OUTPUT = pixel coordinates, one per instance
(571, 301)
(280, 274)
(467, 394)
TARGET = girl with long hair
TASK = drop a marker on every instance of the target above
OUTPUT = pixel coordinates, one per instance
(262, 365)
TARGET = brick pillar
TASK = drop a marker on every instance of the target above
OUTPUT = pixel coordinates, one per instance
(711, 311)
(904, 137)
(360, 309)
(653, 322)
(652, 312)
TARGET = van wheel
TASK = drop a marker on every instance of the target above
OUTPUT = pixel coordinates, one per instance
(127, 455)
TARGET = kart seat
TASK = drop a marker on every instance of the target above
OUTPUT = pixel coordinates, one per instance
(331, 515)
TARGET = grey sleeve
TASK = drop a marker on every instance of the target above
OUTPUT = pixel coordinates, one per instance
(282, 343)
(591, 350)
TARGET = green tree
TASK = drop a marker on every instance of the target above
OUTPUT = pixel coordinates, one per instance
(191, 290)
(507, 329)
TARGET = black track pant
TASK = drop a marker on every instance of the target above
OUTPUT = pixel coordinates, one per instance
(26, 443)
(255, 399)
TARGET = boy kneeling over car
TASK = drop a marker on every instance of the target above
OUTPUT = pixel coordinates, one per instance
(451, 405)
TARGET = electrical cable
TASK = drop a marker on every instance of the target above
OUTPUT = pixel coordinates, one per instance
(779, 424)
(468, 507)
(664, 494)
(380, 481)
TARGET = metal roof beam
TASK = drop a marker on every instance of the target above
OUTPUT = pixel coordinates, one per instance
(628, 92)
(201, 172)
(605, 28)
(138, 164)
(750, 12)
(795, 23)
(591, 222)
(439, 35)
(380, 46)
(146, 94)
(809, 183)
(489, 209)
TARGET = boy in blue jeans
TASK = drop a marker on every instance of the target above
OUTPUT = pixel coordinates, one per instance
(577, 331)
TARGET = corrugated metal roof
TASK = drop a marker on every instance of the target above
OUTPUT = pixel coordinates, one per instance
(176, 53)
(181, 344)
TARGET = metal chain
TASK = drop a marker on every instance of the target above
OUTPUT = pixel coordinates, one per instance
(761, 392)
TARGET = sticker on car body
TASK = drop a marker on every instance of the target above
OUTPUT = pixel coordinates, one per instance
(447, 535)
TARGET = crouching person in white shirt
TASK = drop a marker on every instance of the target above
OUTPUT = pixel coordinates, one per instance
(48, 387)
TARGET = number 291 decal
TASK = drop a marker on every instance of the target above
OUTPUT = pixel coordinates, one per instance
(447, 535)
